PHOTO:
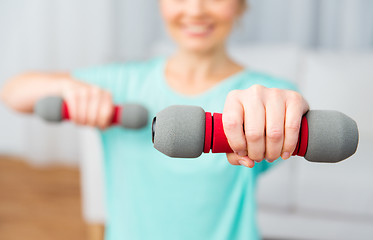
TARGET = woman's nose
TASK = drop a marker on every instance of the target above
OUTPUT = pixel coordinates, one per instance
(195, 8)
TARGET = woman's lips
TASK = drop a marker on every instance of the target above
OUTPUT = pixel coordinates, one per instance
(198, 30)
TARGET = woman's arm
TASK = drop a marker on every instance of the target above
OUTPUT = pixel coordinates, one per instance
(21, 92)
(88, 104)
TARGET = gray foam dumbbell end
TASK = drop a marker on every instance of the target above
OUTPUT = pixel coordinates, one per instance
(49, 108)
(134, 116)
(332, 137)
(176, 125)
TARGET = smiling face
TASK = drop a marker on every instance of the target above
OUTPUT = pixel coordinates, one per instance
(201, 25)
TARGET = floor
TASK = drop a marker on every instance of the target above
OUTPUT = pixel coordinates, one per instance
(39, 203)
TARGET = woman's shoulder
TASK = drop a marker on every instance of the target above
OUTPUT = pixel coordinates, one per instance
(144, 65)
(118, 77)
(119, 68)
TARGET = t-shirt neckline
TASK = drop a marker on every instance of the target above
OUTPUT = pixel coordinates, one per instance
(208, 92)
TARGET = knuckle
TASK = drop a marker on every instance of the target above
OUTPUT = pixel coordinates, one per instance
(100, 120)
(80, 121)
(275, 134)
(253, 135)
(95, 91)
(276, 92)
(239, 147)
(289, 147)
(232, 159)
(104, 122)
(91, 122)
(271, 156)
(256, 156)
(82, 93)
(106, 112)
(106, 96)
(108, 105)
(271, 159)
(83, 118)
(292, 126)
(230, 122)
(255, 94)
(98, 126)
(275, 95)
(295, 96)
(92, 119)
(256, 91)
(103, 113)
(257, 87)
(73, 94)
(234, 94)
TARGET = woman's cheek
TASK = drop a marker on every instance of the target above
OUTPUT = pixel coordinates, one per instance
(227, 10)
(170, 16)
(169, 10)
(226, 15)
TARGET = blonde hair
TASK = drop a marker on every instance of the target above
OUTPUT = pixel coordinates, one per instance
(244, 5)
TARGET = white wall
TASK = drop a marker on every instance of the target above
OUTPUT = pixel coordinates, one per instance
(65, 35)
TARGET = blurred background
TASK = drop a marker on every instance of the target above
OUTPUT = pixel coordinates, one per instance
(325, 47)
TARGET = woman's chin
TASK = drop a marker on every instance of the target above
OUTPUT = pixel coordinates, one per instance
(197, 48)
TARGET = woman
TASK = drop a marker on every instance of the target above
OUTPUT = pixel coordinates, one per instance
(150, 196)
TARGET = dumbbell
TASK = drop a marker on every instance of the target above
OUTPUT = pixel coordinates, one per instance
(55, 109)
(186, 131)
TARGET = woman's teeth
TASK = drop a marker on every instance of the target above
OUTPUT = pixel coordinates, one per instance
(197, 29)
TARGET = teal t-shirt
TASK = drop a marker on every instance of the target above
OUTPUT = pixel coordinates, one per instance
(151, 196)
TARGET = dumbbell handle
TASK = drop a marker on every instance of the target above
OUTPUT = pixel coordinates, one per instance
(65, 113)
(216, 140)
(130, 115)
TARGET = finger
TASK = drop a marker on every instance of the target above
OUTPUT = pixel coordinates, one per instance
(294, 113)
(275, 119)
(93, 107)
(235, 159)
(254, 128)
(233, 116)
(105, 111)
(71, 101)
(82, 106)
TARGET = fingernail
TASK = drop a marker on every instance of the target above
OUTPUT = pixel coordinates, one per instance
(285, 155)
(244, 163)
(242, 153)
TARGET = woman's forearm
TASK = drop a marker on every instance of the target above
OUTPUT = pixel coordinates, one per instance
(21, 92)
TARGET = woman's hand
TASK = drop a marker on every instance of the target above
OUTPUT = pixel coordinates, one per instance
(262, 123)
(88, 104)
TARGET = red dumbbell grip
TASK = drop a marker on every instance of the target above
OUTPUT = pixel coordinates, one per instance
(216, 140)
(116, 117)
